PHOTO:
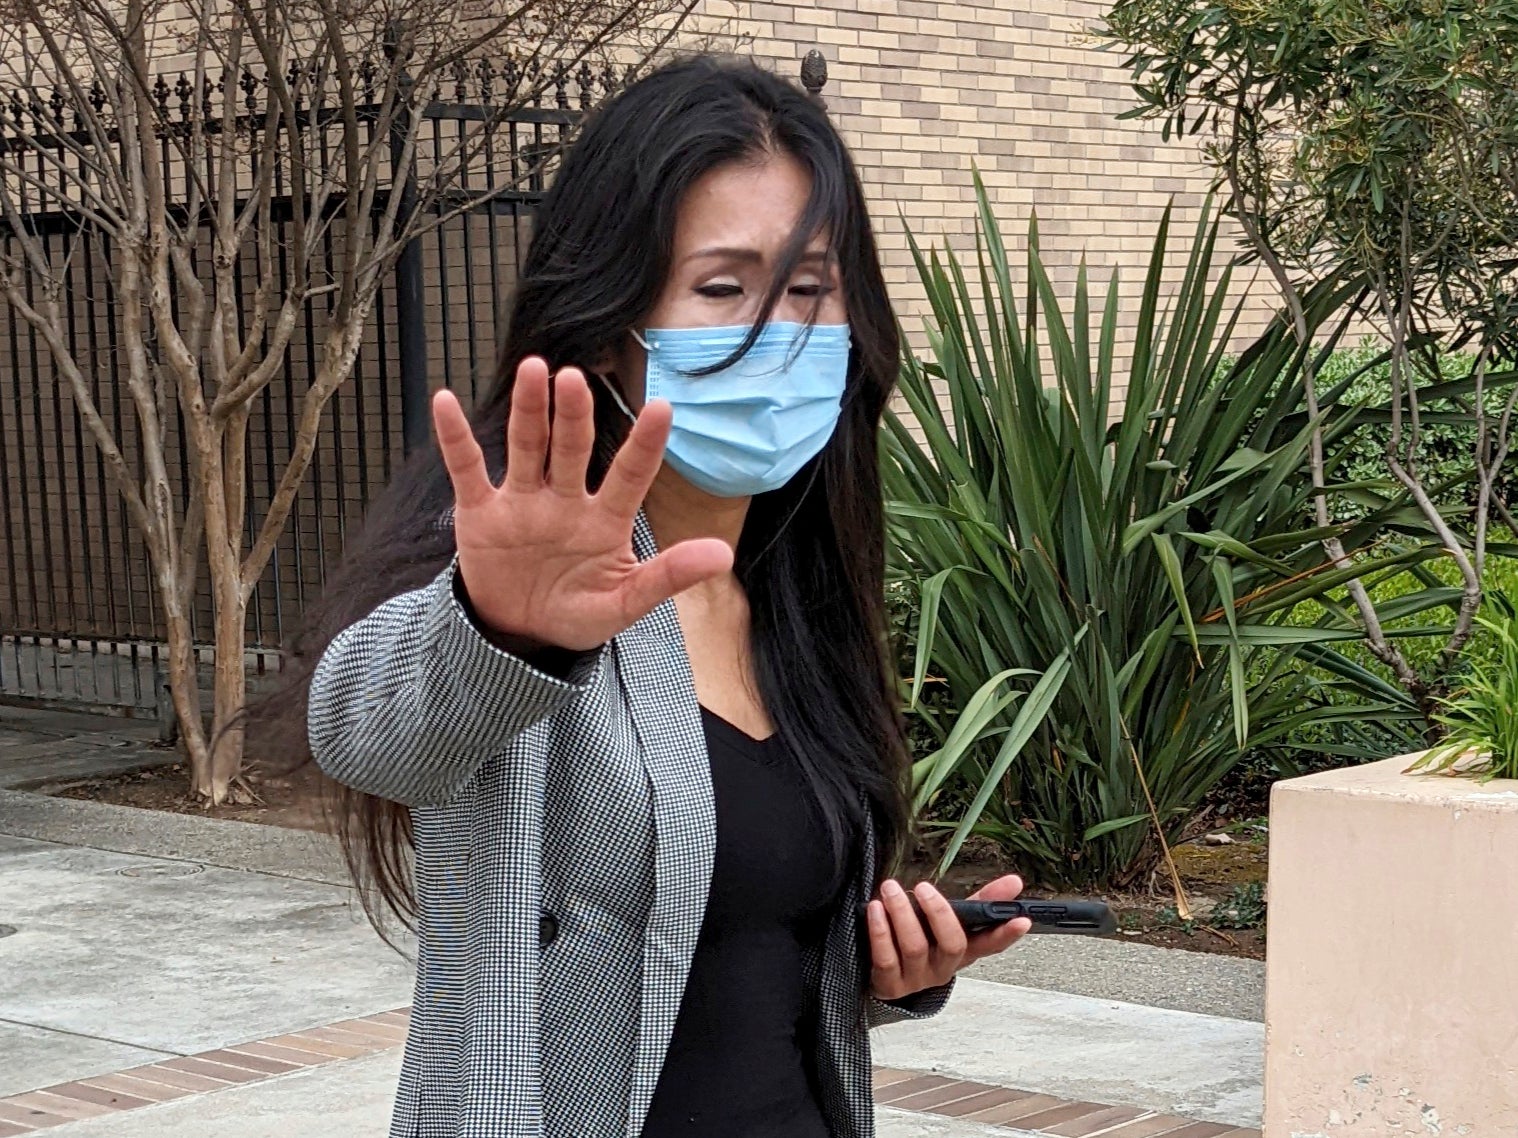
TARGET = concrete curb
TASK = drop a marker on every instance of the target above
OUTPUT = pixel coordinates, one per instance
(1201, 982)
(248, 846)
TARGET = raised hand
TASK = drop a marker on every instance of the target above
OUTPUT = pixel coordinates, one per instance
(545, 562)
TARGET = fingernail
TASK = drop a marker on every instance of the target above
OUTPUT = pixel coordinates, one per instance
(891, 889)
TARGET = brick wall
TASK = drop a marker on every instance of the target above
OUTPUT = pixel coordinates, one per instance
(923, 89)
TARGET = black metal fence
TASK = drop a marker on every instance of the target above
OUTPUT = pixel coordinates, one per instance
(79, 624)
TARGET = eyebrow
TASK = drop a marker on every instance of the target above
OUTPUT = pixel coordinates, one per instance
(733, 253)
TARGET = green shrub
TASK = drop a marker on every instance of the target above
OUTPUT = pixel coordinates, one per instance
(1242, 907)
(1102, 607)
(1482, 717)
(1445, 455)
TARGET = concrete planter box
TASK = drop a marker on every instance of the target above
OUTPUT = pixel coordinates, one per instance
(1391, 1003)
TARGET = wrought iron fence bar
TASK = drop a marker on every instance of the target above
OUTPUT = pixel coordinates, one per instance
(441, 239)
(475, 113)
(47, 138)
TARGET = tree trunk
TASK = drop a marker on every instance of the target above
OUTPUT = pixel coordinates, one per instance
(184, 681)
(223, 759)
(230, 691)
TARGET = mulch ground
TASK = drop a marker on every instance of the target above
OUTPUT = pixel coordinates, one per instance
(1208, 872)
(292, 800)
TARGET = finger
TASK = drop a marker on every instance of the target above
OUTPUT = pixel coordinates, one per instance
(906, 926)
(636, 464)
(527, 427)
(948, 933)
(885, 965)
(572, 434)
(673, 571)
(1007, 888)
(461, 451)
(1003, 937)
(999, 939)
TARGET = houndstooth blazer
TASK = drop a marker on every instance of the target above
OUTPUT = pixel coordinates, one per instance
(564, 837)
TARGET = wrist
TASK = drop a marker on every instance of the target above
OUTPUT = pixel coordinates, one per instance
(543, 656)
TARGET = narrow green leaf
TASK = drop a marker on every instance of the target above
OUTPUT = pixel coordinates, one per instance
(1172, 566)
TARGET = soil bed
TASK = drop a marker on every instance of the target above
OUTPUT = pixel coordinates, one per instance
(293, 800)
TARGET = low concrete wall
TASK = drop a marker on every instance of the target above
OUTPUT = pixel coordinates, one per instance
(1391, 1003)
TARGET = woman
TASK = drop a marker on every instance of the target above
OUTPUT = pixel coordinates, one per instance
(615, 662)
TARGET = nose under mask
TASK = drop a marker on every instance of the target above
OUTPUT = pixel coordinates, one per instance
(749, 427)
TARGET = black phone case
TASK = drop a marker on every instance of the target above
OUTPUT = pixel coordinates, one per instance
(1081, 918)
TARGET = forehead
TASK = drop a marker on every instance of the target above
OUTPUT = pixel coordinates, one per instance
(755, 204)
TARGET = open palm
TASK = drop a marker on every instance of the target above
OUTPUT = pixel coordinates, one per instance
(543, 559)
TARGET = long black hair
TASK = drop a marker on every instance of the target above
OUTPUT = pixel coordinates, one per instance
(811, 555)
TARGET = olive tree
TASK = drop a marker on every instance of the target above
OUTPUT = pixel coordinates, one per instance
(1376, 139)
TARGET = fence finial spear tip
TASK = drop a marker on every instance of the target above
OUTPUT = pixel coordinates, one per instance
(814, 74)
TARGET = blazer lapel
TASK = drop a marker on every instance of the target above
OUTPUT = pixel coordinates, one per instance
(654, 670)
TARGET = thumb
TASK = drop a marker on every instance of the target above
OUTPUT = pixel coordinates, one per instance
(673, 571)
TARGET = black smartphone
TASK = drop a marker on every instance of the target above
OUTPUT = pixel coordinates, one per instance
(1080, 918)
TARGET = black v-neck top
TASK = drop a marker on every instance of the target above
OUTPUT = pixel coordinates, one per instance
(738, 1064)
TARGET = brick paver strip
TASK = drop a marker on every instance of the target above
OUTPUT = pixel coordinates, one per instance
(1100, 1123)
(304, 1042)
(184, 1080)
(115, 1100)
(915, 1085)
(136, 1087)
(60, 1105)
(920, 1091)
(982, 1099)
(400, 1018)
(28, 1115)
(195, 1065)
(287, 1054)
(255, 1063)
(372, 1029)
(938, 1097)
(372, 1035)
(1154, 1126)
(1058, 1115)
(1021, 1108)
(884, 1077)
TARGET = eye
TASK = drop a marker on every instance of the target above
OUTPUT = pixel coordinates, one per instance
(811, 290)
(719, 291)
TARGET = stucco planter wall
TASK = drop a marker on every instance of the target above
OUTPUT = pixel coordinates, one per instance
(1392, 972)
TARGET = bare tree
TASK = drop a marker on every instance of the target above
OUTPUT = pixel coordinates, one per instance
(281, 184)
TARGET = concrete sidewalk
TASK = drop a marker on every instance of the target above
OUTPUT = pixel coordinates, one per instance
(142, 939)
(120, 960)
(40, 747)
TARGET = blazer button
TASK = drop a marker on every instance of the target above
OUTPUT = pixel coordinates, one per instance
(548, 929)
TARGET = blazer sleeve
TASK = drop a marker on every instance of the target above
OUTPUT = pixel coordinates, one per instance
(408, 702)
(919, 1005)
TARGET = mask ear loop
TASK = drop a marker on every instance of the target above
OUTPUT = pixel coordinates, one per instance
(617, 395)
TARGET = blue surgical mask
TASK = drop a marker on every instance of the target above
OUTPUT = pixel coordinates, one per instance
(748, 427)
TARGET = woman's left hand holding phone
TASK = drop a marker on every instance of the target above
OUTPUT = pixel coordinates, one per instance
(903, 959)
